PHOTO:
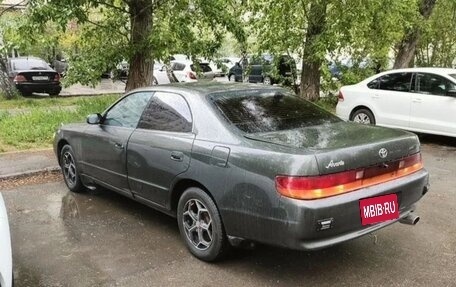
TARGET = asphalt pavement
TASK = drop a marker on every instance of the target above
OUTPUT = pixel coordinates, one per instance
(100, 238)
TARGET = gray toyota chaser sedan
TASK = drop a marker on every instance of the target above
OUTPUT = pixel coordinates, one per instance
(246, 163)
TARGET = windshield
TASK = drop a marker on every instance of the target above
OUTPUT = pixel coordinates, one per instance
(30, 64)
(268, 111)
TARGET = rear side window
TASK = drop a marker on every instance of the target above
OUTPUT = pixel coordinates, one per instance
(202, 67)
(167, 112)
(267, 111)
(433, 84)
(399, 82)
(29, 64)
(453, 76)
(178, 67)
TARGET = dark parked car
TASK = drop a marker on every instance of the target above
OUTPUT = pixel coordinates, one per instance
(265, 69)
(33, 75)
(238, 162)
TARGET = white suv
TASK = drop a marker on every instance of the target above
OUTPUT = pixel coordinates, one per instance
(417, 99)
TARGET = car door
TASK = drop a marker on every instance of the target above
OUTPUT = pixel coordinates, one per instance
(104, 148)
(432, 110)
(390, 98)
(160, 148)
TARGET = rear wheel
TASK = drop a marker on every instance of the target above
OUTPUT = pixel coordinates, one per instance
(200, 225)
(363, 116)
(70, 170)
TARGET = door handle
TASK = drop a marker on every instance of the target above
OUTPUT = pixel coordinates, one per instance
(118, 145)
(376, 97)
(417, 100)
(177, 156)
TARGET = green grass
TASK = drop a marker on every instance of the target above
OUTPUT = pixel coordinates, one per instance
(35, 126)
(328, 103)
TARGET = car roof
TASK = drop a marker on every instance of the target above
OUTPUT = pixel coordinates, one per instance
(439, 71)
(25, 58)
(206, 88)
(426, 69)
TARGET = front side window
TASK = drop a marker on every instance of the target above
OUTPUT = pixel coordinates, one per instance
(126, 112)
(269, 111)
(434, 85)
(399, 82)
(167, 112)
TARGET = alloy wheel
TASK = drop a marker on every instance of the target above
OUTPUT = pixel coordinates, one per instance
(362, 118)
(69, 168)
(197, 223)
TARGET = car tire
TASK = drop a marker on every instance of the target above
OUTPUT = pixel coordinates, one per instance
(200, 225)
(267, 80)
(70, 170)
(363, 116)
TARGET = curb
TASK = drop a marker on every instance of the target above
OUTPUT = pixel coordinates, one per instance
(29, 173)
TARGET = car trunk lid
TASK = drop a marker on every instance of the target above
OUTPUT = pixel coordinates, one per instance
(345, 146)
(39, 76)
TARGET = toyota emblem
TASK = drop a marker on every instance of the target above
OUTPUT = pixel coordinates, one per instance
(383, 152)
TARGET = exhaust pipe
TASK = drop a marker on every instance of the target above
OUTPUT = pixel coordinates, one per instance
(410, 219)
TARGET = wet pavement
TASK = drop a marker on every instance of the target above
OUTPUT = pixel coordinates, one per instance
(106, 86)
(26, 162)
(103, 239)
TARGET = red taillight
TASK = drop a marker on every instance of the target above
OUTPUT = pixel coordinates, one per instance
(19, 78)
(340, 97)
(191, 75)
(57, 78)
(315, 187)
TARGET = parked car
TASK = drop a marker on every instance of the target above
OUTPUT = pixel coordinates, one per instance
(33, 75)
(239, 162)
(6, 260)
(265, 69)
(60, 66)
(188, 71)
(419, 99)
(229, 62)
(161, 75)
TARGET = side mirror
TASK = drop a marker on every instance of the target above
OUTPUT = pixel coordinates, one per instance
(451, 93)
(94, 119)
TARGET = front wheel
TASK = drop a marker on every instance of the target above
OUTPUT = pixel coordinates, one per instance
(200, 225)
(363, 116)
(70, 170)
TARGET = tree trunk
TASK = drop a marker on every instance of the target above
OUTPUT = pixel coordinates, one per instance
(311, 64)
(407, 46)
(7, 88)
(141, 62)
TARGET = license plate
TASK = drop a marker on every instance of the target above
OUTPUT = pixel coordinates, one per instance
(40, 78)
(379, 209)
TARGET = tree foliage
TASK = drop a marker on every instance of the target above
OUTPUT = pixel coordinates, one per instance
(110, 31)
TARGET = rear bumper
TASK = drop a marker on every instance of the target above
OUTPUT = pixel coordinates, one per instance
(343, 112)
(296, 222)
(53, 88)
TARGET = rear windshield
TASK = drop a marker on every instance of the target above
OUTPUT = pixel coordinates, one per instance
(30, 64)
(453, 76)
(202, 67)
(267, 111)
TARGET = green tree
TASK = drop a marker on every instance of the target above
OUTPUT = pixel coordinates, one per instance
(438, 43)
(139, 31)
(407, 47)
(321, 29)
